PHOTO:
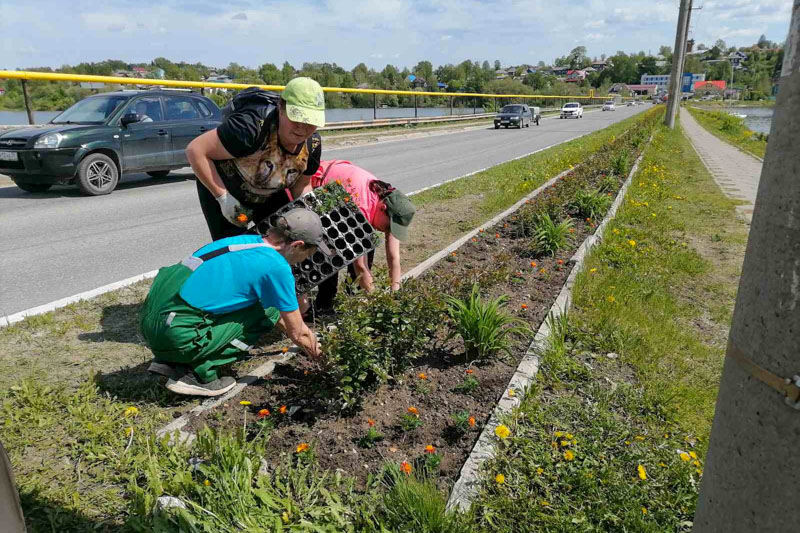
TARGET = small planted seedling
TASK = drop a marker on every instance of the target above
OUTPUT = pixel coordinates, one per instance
(461, 421)
(370, 438)
(410, 421)
(468, 386)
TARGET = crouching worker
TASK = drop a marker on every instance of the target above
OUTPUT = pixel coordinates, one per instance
(205, 311)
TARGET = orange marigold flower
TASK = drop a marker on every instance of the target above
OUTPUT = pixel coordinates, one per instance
(413, 410)
(263, 413)
(469, 371)
(405, 467)
(472, 421)
(572, 230)
(370, 422)
(588, 220)
(282, 409)
(496, 235)
(533, 264)
(430, 449)
(284, 349)
(338, 182)
(524, 306)
(422, 375)
(560, 261)
(346, 198)
(302, 447)
(480, 230)
(241, 217)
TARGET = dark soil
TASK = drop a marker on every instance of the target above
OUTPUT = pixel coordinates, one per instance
(494, 258)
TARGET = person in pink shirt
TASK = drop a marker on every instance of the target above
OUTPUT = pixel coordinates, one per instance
(385, 208)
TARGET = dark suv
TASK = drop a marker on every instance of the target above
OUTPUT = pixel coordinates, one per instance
(517, 115)
(106, 135)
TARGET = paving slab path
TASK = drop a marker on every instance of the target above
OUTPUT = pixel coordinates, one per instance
(736, 172)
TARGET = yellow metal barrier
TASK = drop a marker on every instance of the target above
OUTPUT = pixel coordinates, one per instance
(52, 76)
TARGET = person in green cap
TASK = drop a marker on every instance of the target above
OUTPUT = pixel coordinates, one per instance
(266, 144)
(206, 311)
(385, 208)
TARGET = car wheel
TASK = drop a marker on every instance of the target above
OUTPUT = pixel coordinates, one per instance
(32, 187)
(97, 175)
(158, 173)
(506, 126)
(497, 126)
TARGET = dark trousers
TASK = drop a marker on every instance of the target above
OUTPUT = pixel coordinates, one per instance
(219, 226)
(329, 287)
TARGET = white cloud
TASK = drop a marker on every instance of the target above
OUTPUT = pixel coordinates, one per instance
(595, 24)
(445, 37)
(592, 37)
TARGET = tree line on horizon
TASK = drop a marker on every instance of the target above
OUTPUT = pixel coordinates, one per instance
(467, 76)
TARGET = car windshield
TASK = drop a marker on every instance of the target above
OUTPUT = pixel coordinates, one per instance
(94, 110)
(511, 109)
(571, 105)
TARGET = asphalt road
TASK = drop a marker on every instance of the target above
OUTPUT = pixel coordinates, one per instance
(59, 243)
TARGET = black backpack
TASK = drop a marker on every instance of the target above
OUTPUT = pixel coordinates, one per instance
(262, 101)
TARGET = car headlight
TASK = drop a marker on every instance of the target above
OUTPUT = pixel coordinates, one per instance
(51, 140)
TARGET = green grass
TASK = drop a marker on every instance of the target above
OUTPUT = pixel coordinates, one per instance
(731, 129)
(629, 380)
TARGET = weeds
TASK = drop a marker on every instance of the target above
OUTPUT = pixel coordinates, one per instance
(620, 163)
(485, 327)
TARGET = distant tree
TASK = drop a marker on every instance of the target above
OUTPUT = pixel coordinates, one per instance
(701, 46)
(648, 66)
(577, 57)
(719, 43)
(714, 53)
(541, 64)
(497, 64)
(270, 74)
(486, 66)
(287, 71)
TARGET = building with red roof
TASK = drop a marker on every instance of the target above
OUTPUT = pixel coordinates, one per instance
(711, 87)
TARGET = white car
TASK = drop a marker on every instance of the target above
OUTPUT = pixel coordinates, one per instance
(609, 106)
(571, 110)
(630, 103)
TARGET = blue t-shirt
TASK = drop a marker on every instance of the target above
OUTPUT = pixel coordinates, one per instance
(239, 279)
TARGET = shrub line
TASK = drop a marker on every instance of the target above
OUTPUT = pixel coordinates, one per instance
(466, 486)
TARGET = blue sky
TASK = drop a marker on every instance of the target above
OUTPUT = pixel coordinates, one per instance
(377, 32)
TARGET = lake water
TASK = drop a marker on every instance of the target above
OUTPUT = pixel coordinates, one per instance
(331, 115)
(758, 118)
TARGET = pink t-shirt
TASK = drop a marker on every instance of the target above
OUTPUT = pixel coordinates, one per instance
(355, 179)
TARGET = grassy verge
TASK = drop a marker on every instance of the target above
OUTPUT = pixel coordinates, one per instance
(612, 437)
(731, 129)
(80, 466)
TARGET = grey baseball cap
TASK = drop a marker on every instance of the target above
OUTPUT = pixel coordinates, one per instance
(304, 225)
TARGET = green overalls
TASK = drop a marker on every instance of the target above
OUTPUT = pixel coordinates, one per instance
(177, 332)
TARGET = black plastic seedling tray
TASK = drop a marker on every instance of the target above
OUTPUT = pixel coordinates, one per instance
(347, 233)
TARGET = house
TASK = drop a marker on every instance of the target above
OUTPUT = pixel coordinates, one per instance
(218, 78)
(441, 85)
(122, 74)
(662, 80)
(416, 81)
(560, 71)
(575, 76)
(621, 89)
(732, 93)
(736, 59)
(643, 90)
(500, 74)
(362, 86)
(661, 61)
(600, 66)
(709, 88)
(140, 72)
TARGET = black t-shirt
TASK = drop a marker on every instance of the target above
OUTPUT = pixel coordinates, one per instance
(261, 166)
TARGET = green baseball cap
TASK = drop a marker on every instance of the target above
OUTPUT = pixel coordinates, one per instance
(304, 225)
(305, 102)
(400, 211)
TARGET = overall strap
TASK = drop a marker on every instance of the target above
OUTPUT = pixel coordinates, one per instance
(193, 262)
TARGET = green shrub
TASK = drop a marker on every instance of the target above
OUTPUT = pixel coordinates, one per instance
(729, 123)
(590, 204)
(548, 236)
(485, 327)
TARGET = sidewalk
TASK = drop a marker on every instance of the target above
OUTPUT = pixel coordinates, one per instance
(736, 172)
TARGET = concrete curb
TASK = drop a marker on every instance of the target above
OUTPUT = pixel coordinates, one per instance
(466, 486)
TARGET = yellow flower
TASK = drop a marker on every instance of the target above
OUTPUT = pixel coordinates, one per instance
(285, 517)
(662, 465)
(568, 436)
(569, 455)
(540, 471)
(592, 270)
(510, 393)
(502, 431)
(685, 456)
(500, 479)
(627, 443)
(696, 463)
(632, 242)
(644, 511)
(128, 431)
(611, 299)
(302, 447)
(639, 438)
(564, 443)
(642, 472)
(131, 411)
(693, 455)
(207, 483)
(557, 434)
(699, 472)
(245, 403)
(545, 504)
(615, 231)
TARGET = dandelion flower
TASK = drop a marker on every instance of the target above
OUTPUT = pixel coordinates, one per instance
(430, 449)
(545, 504)
(302, 447)
(564, 443)
(693, 455)
(511, 393)
(632, 242)
(662, 465)
(611, 299)
(131, 411)
(502, 431)
(685, 456)
(557, 434)
(405, 467)
(472, 421)
(568, 436)
(245, 403)
(499, 479)
(413, 410)
(282, 409)
(264, 413)
(128, 431)
(642, 472)
(540, 471)
(639, 438)
(644, 511)
(285, 516)
(615, 231)
(592, 270)
(207, 483)
(569, 455)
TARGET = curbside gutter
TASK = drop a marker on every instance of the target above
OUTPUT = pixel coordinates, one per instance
(468, 483)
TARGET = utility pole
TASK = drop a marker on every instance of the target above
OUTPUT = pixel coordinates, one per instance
(678, 53)
(750, 479)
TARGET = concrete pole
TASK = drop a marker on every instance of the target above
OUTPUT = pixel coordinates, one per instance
(674, 88)
(27, 98)
(751, 472)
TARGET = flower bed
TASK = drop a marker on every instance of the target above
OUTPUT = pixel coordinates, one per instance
(400, 387)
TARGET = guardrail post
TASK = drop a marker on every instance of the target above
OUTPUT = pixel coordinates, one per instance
(451, 106)
(474, 104)
(374, 106)
(415, 106)
(27, 98)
